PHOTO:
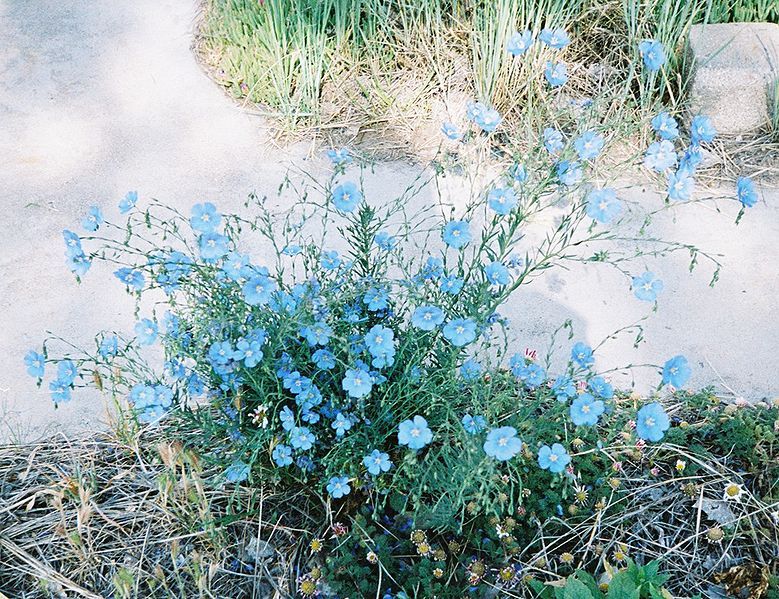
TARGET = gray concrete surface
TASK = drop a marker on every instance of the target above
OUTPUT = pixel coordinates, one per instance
(736, 67)
(100, 98)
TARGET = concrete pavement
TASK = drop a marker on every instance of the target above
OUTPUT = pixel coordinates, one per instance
(99, 98)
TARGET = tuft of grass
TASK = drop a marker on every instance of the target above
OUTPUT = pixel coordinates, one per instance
(98, 517)
(380, 67)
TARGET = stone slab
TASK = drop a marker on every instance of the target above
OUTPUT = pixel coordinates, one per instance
(735, 66)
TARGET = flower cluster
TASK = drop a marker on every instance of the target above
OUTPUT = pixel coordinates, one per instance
(373, 372)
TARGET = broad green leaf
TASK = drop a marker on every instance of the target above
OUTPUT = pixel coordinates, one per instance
(623, 587)
(575, 589)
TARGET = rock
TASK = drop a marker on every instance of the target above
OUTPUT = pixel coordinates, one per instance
(258, 550)
(735, 66)
(717, 510)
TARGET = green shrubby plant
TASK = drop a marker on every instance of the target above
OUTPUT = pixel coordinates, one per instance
(378, 375)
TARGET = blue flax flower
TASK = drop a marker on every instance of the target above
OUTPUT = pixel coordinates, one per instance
(248, 351)
(341, 423)
(380, 341)
(585, 410)
(296, 383)
(497, 274)
(653, 54)
(647, 286)
(385, 241)
(376, 299)
(473, 425)
(134, 279)
(554, 458)
(532, 374)
(220, 352)
(36, 364)
(237, 472)
(581, 354)
(427, 318)
(588, 145)
(470, 370)
(377, 462)
(553, 140)
(519, 43)
(451, 284)
(146, 331)
(680, 185)
(67, 371)
(338, 487)
(339, 157)
(128, 202)
(690, 160)
(502, 200)
(357, 382)
(556, 73)
(237, 266)
(330, 260)
(346, 197)
(324, 359)
(287, 418)
(414, 433)
(301, 437)
(257, 291)
(143, 396)
(78, 264)
(72, 243)
(450, 131)
(666, 126)
(745, 191)
(487, 119)
(205, 218)
(93, 219)
(59, 391)
(109, 346)
(460, 331)
(569, 173)
(317, 334)
(457, 233)
(600, 388)
(502, 443)
(293, 249)
(554, 38)
(702, 130)
(282, 455)
(212, 246)
(518, 172)
(652, 422)
(603, 205)
(660, 156)
(563, 388)
(676, 371)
